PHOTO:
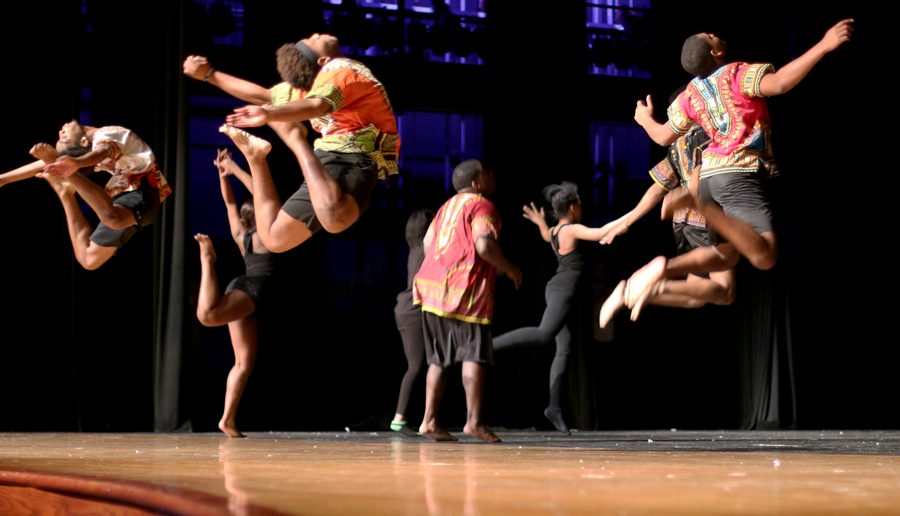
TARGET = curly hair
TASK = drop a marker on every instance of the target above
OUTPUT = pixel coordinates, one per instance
(696, 58)
(294, 68)
(560, 197)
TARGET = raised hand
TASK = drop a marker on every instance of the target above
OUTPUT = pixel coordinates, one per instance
(196, 67)
(223, 162)
(643, 109)
(532, 213)
(838, 35)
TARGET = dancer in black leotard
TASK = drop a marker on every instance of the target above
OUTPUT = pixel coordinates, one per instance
(561, 289)
(237, 306)
(409, 316)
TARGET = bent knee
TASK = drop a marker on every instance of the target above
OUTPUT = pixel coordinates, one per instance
(208, 318)
(90, 263)
(763, 262)
(118, 219)
(92, 260)
(695, 303)
(335, 225)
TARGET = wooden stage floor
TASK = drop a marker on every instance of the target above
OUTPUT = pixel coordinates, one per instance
(664, 472)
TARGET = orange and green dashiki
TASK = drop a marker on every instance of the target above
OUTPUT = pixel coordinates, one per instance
(361, 119)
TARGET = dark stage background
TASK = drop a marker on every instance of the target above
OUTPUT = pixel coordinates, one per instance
(809, 345)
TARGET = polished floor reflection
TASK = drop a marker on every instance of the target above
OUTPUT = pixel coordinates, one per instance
(383, 473)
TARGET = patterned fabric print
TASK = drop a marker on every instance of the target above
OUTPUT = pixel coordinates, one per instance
(132, 161)
(361, 119)
(675, 170)
(454, 281)
(728, 106)
(283, 92)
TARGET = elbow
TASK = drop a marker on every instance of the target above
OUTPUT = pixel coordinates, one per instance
(484, 246)
(665, 137)
(775, 87)
(481, 247)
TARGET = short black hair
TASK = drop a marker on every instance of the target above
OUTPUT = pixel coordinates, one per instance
(465, 173)
(294, 68)
(696, 58)
(417, 226)
(560, 197)
(74, 151)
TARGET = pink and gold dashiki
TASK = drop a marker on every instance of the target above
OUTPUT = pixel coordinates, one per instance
(732, 111)
(454, 281)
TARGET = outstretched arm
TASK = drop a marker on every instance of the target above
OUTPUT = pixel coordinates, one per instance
(21, 173)
(234, 217)
(490, 251)
(651, 198)
(225, 163)
(535, 215)
(198, 67)
(294, 111)
(659, 133)
(65, 166)
(43, 152)
(792, 73)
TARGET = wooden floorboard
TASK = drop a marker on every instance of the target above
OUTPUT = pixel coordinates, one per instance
(530, 473)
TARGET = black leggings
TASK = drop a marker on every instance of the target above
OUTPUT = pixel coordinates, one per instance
(559, 296)
(413, 337)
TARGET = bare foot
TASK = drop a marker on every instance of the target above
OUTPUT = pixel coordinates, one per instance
(481, 432)
(436, 432)
(207, 251)
(643, 284)
(230, 429)
(613, 303)
(251, 146)
(44, 152)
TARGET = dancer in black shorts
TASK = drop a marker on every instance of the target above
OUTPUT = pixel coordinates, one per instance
(343, 101)
(243, 296)
(728, 101)
(690, 230)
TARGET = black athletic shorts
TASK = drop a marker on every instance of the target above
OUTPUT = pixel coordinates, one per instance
(357, 175)
(450, 341)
